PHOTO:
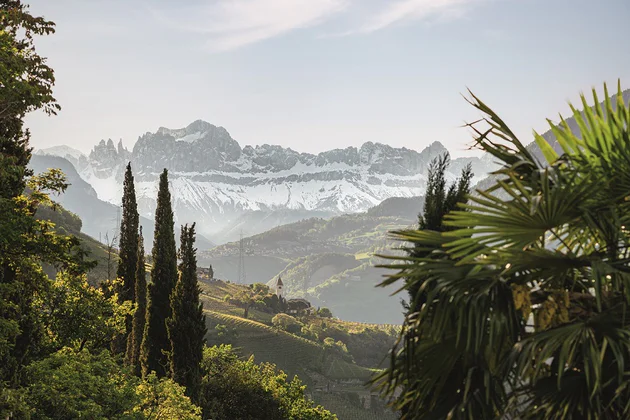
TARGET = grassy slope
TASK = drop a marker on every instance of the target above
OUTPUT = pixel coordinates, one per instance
(316, 366)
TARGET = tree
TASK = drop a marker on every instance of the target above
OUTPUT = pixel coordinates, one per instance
(187, 324)
(438, 202)
(128, 254)
(70, 384)
(253, 293)
(155, 343)
(77, 315)
(287, 323)
(165, 399)
(26, 86)
(25, 242)
(526, 297)
(241, 389)
(324, 312)
(140, 312)
(73, 384)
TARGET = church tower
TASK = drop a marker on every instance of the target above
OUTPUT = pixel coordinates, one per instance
(279, 286)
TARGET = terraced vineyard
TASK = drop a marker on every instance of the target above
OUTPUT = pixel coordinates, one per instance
(293, 354)
(212, 295)
(331, 377)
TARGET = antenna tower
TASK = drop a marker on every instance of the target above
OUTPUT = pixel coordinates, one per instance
(241, 261)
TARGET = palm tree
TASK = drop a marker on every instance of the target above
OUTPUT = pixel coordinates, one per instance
(527, 300)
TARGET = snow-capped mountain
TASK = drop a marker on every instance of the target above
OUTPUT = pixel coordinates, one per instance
(71, 155)
(214, 181)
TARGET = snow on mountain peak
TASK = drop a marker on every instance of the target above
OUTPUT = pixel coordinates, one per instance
(67, 152)
(214, 180)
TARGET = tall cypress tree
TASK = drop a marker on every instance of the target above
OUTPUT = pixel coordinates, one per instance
(187, 325)
(438, 202)
(155, 343)
(128, 254)
(139, 316)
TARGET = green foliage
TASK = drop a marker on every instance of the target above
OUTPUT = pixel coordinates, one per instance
(77, 315)
(324, 312)
(78, 384)
(287, 323)
(24, 242)
(256, 293)
(134, 340)
(438, 203)
(39, 315)
(128, 255)
(438, 200)
(155, 343)
(26, 86)
(259, 288)
(225, 333)
(165, 399)
(71, 384)
(547, 241)
(242, 389)
(337, 346)
(187, 325)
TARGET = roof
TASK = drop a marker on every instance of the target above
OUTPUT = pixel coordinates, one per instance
(279, 282)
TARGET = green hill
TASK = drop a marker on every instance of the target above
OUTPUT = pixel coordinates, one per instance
(333, 375)
(312, 256)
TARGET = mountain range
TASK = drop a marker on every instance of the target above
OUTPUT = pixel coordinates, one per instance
(228, 189)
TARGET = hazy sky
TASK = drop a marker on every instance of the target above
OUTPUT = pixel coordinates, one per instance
(321, 74)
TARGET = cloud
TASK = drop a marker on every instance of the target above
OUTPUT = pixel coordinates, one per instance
(398, 12)
(229, 24)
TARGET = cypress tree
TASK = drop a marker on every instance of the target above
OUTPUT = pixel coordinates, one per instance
(187, 325)
(137, 326)
(438, 202)
(128, 254)
(155, 343)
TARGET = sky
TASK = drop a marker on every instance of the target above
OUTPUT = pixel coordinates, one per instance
(315, 75)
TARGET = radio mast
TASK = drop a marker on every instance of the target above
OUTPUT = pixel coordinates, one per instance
(242, 279)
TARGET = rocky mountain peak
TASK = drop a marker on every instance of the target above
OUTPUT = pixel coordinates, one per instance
(202, 147)
(198, 147)
(215, 181)
(106, 159)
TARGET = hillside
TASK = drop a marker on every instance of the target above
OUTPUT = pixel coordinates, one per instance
(335, 377)
(309, 253)
(69, 223)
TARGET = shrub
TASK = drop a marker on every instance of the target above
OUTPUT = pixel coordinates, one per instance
(287, 323)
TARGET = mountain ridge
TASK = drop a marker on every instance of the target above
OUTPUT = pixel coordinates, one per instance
(219, 184)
